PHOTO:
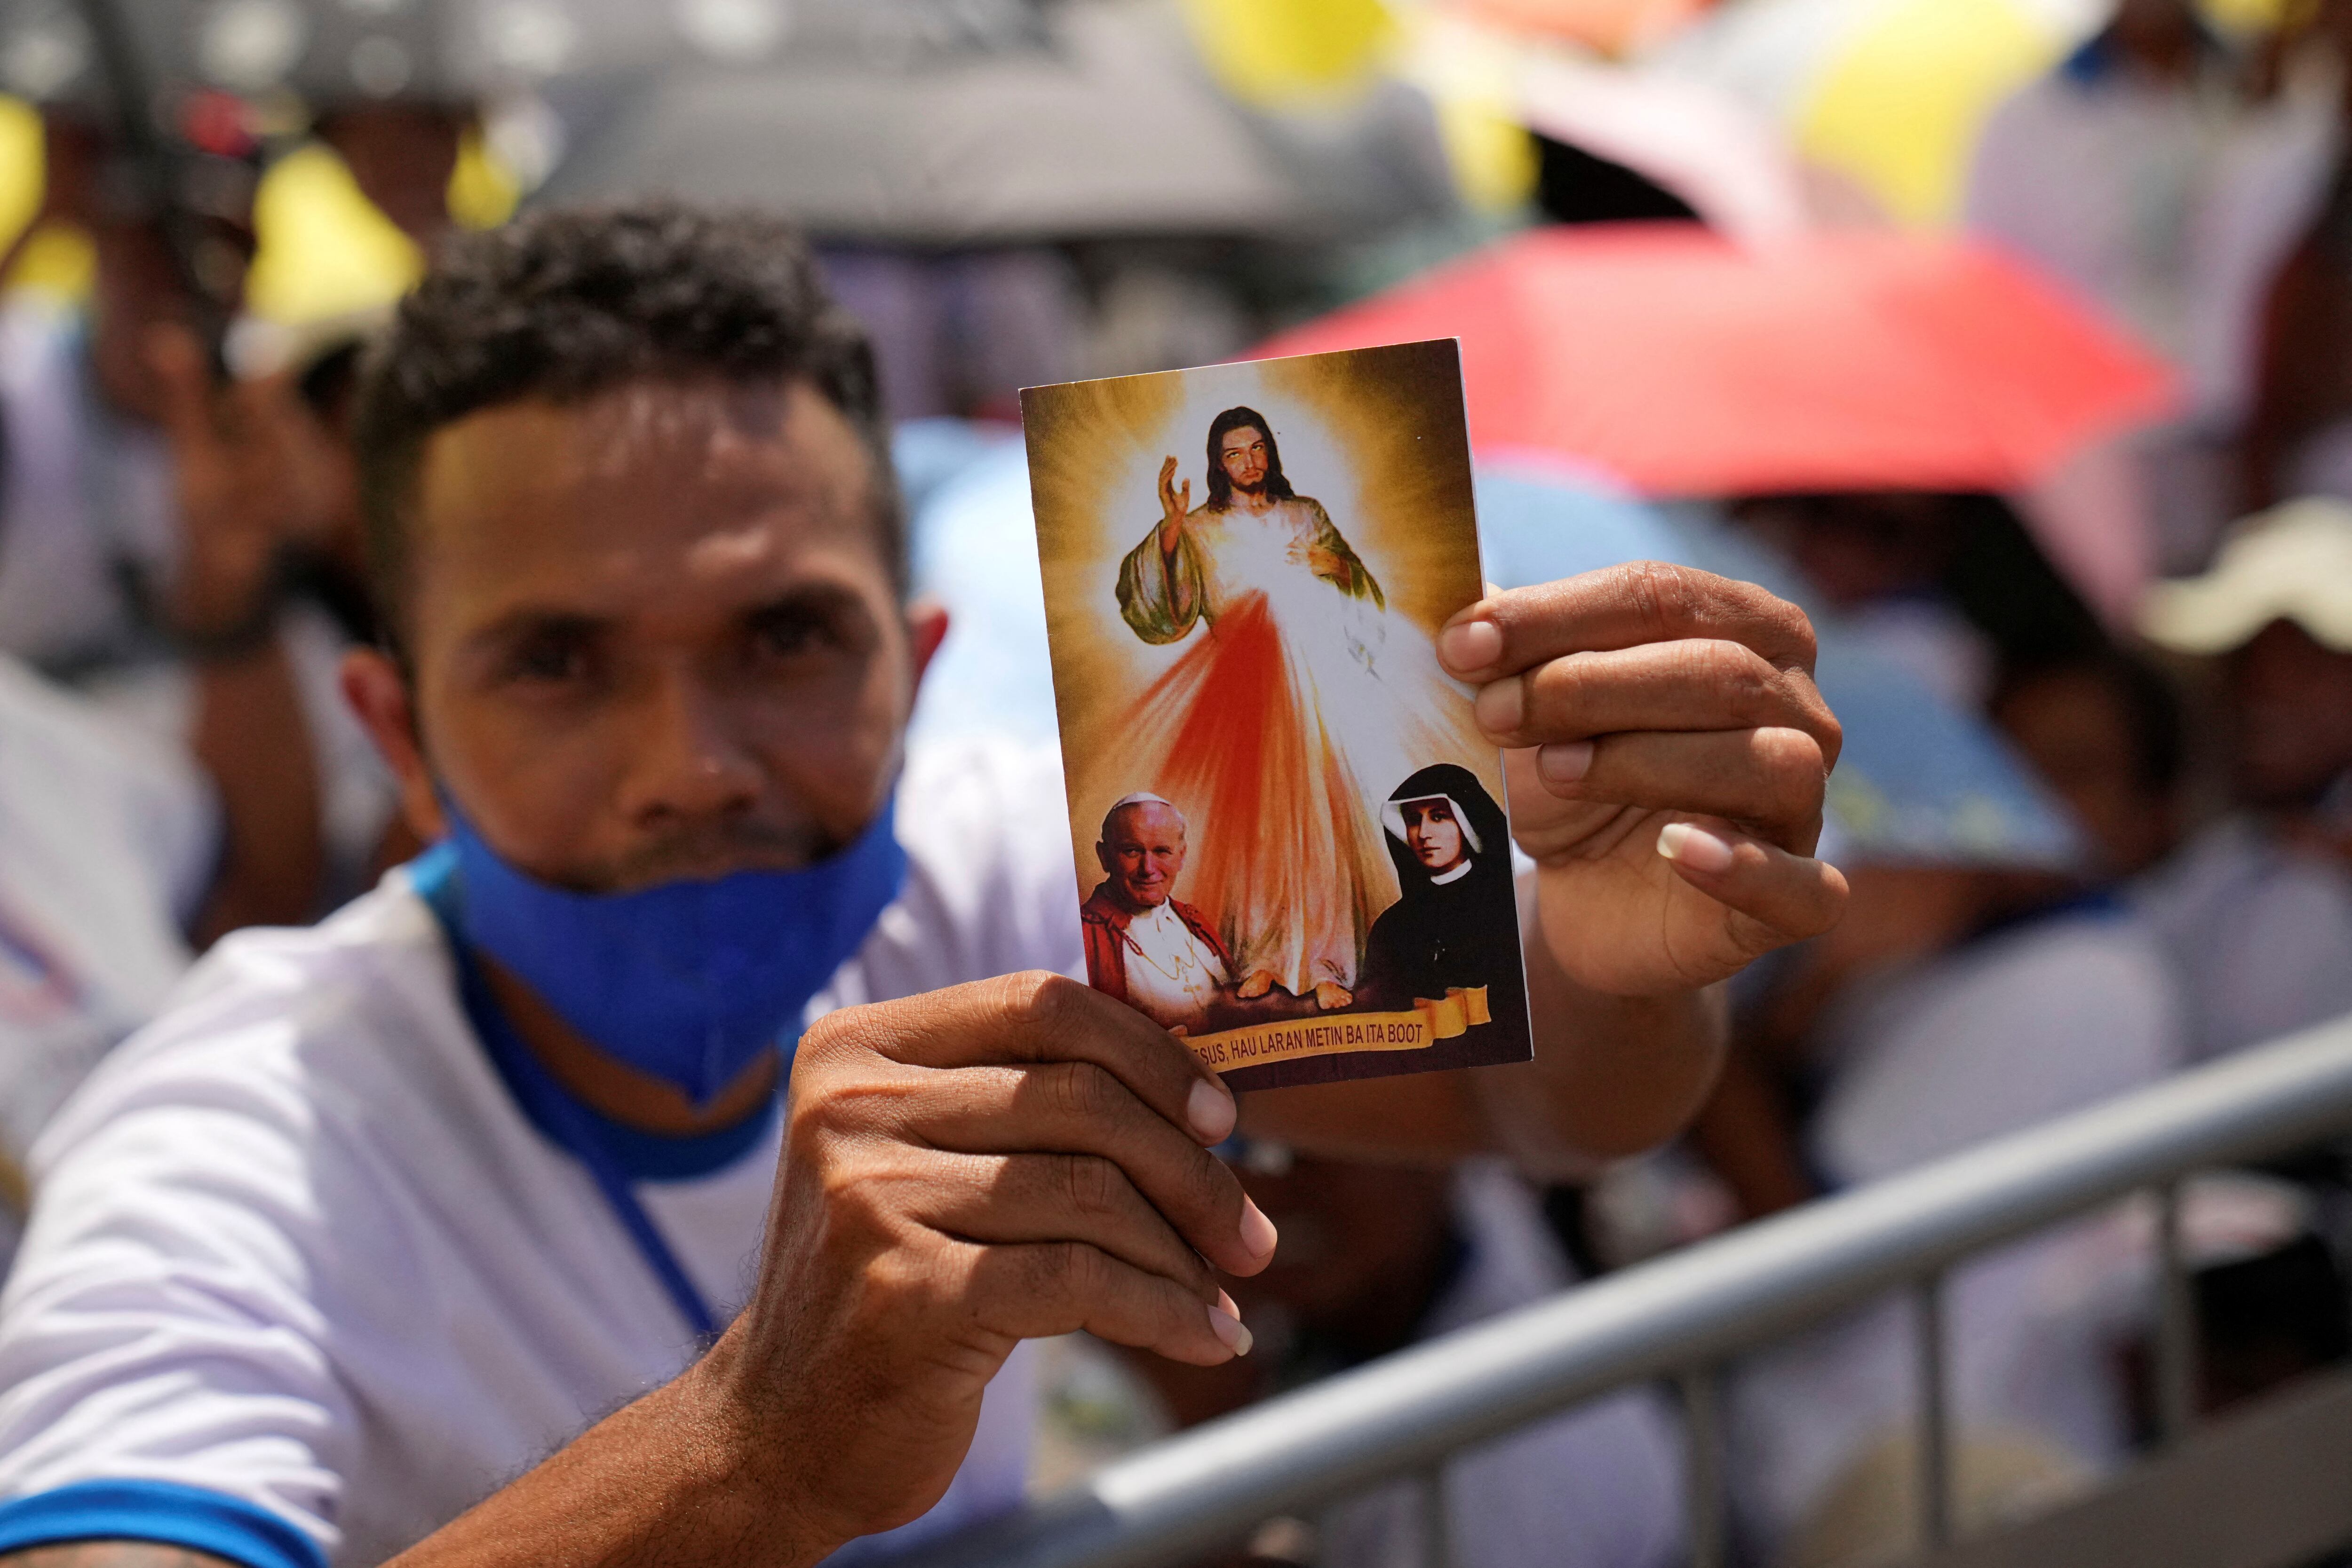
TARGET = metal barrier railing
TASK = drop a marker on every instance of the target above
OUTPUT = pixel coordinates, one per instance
(1682, 1317)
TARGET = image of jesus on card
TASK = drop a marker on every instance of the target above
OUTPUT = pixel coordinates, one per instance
(1298, 688)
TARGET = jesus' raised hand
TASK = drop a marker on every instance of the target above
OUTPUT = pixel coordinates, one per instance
(1175, 504)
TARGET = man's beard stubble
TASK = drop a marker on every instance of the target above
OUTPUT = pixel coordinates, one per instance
(700, 852)
(706, 851)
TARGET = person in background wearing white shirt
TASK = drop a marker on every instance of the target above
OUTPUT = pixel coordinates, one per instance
(2145, 172)
(1378, 1257)
(107, 849)
(2256, 910)
(1178, 964)
(116, 432)
(122, 854)
(670, 1166)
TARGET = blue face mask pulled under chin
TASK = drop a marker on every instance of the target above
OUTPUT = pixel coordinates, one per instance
(688, 981)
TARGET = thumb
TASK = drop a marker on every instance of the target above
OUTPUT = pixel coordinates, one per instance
(1784, 897)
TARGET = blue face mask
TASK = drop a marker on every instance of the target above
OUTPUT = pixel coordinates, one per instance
(688, 981)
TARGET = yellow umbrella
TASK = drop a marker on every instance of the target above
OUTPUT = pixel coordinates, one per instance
(325, 250)
(1898, 109)
(1275, 54)
(56, 262)
(1890, 94)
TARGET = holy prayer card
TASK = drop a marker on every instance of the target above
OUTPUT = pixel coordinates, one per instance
(1292, 841)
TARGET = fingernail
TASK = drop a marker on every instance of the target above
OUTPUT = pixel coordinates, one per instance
(1565, 763)
(1226, 1325)
(1472, 645)
(1258, 1235)
(1503, 704)
(1210, 1109)
(1687, 843)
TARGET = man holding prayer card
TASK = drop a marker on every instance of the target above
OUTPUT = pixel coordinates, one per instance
(669, 1165)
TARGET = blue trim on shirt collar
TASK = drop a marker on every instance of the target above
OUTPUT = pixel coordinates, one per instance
(641, 1155)
(2097, 58)
(164, 1512)
(2091, 63)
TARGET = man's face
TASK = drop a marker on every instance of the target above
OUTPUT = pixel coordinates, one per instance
(653, 635)
(1858, 547)
(1142, 851)
(402, 155)
(2161, 34)
(2292, 701)
(2073, 727)
(1433, 834)
(1242, 453)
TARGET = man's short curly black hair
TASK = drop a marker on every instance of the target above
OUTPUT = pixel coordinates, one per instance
(565, 304)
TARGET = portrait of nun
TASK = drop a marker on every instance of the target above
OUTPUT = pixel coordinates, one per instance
(1455, 924)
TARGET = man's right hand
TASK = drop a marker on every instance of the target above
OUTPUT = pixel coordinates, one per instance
(1001, 1161)
(1175, 505)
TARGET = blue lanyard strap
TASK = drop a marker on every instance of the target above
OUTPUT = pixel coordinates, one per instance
(549, 1107)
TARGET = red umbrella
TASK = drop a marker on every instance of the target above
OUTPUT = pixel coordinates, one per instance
(1685, 365)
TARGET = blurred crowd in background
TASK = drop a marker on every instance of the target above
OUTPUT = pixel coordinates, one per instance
(2012, 338)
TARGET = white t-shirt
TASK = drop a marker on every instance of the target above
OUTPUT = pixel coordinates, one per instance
(1597, 1486)
(2017, 1028)
(2169, 204)
(83, 495)
(106, 847)
(2260, 934)
(2053, 1014)
(302, 1282)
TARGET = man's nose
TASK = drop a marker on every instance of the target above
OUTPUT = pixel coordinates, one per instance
(687, 759)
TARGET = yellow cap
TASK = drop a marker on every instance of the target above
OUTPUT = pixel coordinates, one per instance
(2292, 563)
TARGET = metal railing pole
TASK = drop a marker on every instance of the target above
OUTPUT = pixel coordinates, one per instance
(1189, 1494)
(2176, 1324)
(1935, 1444)
(1436, 1519)
(1704, 1477)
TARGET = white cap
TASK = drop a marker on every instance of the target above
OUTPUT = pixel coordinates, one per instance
(1143, 798)
(2292, 563)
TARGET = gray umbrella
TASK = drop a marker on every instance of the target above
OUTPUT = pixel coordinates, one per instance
(1106, 125)
(907, 121)
(1098, 122)
(327, 52)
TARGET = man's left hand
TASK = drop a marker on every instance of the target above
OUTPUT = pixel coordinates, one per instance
(253, 476)
(1668, 756)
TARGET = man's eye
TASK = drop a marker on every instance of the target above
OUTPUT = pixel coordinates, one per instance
(787, 635)
(548, 661)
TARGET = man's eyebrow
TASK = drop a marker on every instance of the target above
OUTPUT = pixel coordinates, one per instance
(806, 599)
(537, 621)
